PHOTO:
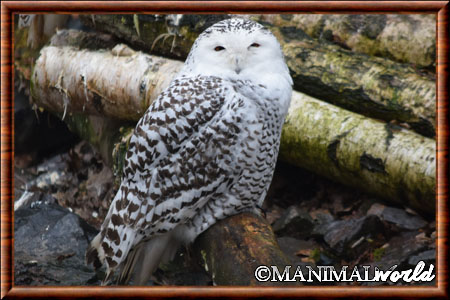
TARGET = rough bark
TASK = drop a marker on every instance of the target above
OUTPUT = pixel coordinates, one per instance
(400, 37)
(384, 159)
(166, 35)
(234, 248)
(372, 86)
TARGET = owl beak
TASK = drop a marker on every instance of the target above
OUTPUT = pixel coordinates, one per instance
(237, 67)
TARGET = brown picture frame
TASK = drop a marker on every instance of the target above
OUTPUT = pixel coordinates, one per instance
(9, 8)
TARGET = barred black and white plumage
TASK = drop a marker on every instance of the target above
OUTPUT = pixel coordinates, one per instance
(205, 149)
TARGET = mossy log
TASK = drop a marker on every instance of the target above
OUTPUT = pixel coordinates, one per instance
(378, 157)
(165, 35)
(375, 87)
(372, 86)
(403, 38)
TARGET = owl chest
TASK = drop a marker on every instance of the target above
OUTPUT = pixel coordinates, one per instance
(257, 150)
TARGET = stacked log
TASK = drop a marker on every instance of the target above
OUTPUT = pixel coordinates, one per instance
(372, 86)
(381, 158)
(403, 38)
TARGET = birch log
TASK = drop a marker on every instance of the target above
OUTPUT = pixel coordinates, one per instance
(400, 37)
(378, 88)
(376, 157)
(384, 159)
(120, 83)
(372, 86)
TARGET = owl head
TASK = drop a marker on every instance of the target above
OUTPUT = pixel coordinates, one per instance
(237, 48)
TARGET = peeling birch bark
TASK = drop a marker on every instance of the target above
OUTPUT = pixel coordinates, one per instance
(120, 83)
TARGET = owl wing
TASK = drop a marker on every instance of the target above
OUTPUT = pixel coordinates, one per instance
(179, 155)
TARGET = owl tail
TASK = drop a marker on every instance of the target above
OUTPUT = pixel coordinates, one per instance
(95, 254)
(146, 256)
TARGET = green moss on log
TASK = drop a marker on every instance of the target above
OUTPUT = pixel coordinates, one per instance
(375, 87)
(388, 161)
(400, 37)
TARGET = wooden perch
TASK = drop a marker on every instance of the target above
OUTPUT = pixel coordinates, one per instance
(381, 158)
(371, 86)
(403, 38)
(246, 240)
(233, 249)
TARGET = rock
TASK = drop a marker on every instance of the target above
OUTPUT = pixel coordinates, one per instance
(403, 251)
(346, 237)
(290, 246)
(322, 219)
(77, 179)
(49, 247)
(396, 216)
(400, 249)
(428, 256)
(52, 175)
(293, 222)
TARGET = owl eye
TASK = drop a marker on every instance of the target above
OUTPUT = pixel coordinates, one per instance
(219, 48)
(256, 45)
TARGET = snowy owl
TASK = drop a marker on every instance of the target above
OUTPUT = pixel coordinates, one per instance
(205, 149)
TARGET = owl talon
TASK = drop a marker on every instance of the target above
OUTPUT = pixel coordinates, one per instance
(262, 210)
